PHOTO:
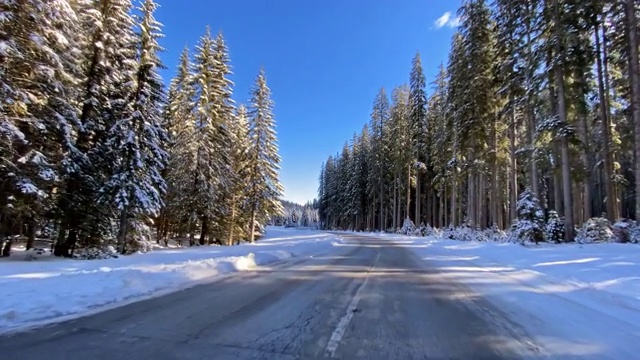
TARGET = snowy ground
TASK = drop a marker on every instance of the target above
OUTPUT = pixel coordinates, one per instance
(51, 289)
(577, 301)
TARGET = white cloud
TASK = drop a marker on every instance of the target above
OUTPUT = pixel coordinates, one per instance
(443, 20)
(455, 22)
(447, 20)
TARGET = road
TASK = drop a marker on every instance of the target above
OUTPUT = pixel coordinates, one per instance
(367, 299)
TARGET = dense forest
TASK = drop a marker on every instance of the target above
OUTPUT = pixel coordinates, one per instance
(296, 215)
(536, 112)
(95, 150)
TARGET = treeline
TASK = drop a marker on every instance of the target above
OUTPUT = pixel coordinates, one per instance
(537, 94)
(94, 149)
(296, 215)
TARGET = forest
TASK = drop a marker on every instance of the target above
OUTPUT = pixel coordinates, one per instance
(96, 151)
(535, 117)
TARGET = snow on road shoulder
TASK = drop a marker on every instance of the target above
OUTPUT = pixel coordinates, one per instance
(577, 301)
(51, 289)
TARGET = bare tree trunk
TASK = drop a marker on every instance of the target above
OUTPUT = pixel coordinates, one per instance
(418, 195)
(605, 126)
(513, 175)
(482, 200)
(564, 143)
(471, 201)
(232, 219)
(454, 201)
(395, 204)
(634, 76)
(407, 210)
(122, 231)
(252, 225)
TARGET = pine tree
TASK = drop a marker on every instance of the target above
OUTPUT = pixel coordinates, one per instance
(38, 75)
(264, 188)
(108, 58)
(239, 130)
(418, 120)
(136, 140)
(379, 154)
(211, 140)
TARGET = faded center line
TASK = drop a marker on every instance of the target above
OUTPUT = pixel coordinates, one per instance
(340, 329)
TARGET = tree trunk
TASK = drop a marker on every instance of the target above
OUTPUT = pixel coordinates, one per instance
(31, 232)
(232, 221)
(471, 200)
(122, 231)
(564, 143)
(454, 201)
(395, 205)
(634, 76)
(408, 206)
(513, 174)
(252, 225)
(605, 126)
(418, 203)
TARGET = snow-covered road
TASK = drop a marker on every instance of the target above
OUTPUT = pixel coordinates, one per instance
(51, 289)
(575, 301)
(347, 295)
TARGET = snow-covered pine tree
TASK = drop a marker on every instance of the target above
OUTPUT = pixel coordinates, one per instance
(180, 125)
(225, 116)
(38, 77)
(135, 140)
(418, 123)
(264, 189)
(554, 230)
(211, 141)
(378, 173)
(236, 222)
(530, 223)
(107, 62)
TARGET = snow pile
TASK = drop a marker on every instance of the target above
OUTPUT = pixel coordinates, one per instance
(48, 289)
(576, 301)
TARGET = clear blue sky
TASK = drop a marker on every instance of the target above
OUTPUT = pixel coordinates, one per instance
(325, 60)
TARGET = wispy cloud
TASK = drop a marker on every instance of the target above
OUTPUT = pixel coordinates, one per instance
(447, 20)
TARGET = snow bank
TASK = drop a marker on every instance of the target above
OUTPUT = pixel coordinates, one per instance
(577, 301)
(51, 289)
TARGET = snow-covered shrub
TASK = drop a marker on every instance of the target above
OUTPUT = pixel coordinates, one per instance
(494, 234)
(529, 226)
(428, 230)
(554, 231)
(408, 227)
(596, 229)
(95, 253)
(622, 230)
(461, 233)
(634, 234)
(34, 254)
(139, 238)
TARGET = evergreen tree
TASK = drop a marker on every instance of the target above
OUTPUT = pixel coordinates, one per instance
(236, 220)
(136, 140)
(211, 140)
(263, 188)
(38, 77)
(108, 63)
(419, 132)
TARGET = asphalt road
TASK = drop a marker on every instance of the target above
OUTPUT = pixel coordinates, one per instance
(367, 299)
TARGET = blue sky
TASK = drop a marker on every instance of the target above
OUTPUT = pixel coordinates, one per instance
(325, 60)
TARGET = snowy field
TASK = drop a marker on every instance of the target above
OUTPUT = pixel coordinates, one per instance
(52, 289)
(577, 301)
